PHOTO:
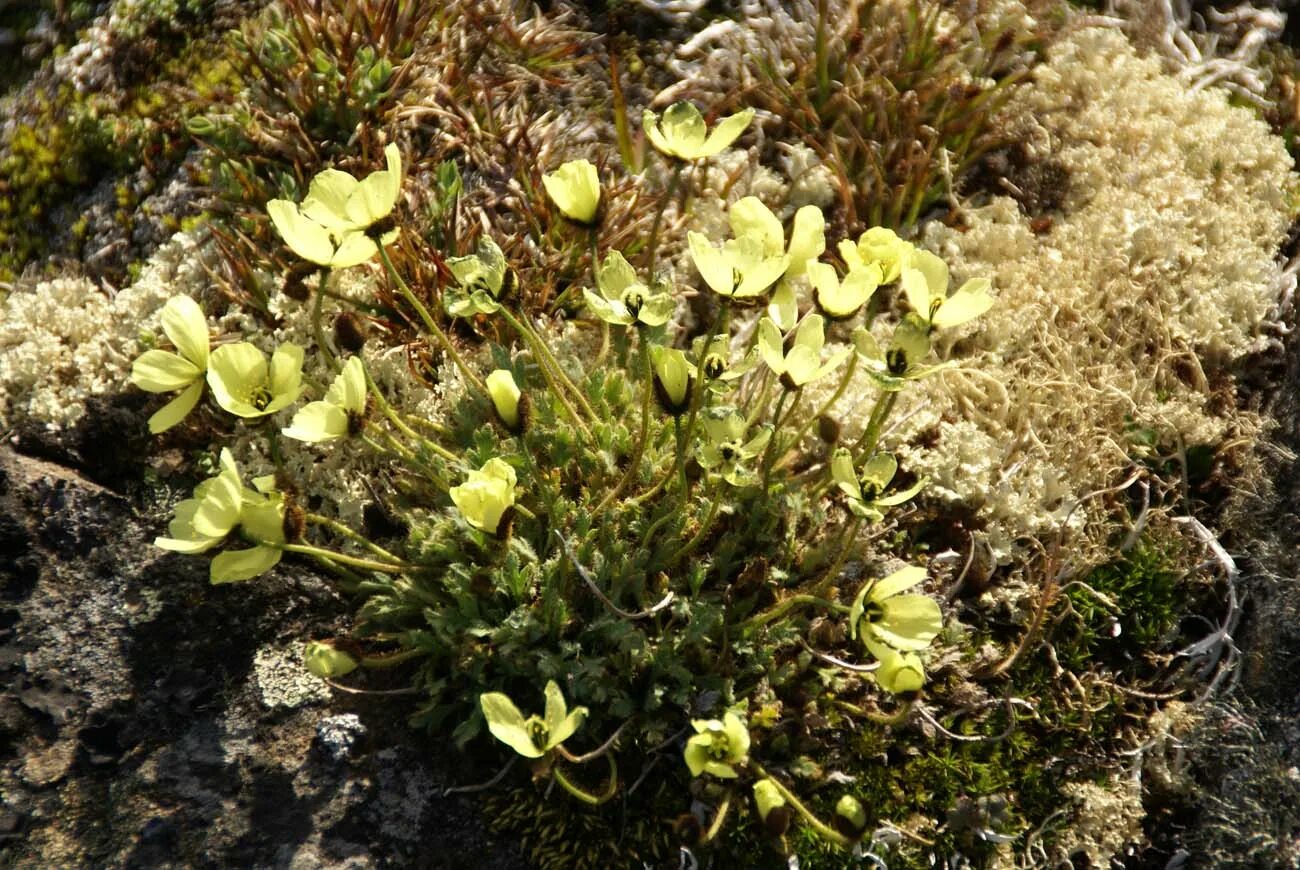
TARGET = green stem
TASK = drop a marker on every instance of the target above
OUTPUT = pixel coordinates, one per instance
(866, 445)
(432, 325)
(390, 661)
(656, 526)
(393, 417)
(889, 720)
(653, 246)
(647, 388)
(344, 559)
(545, 350)
(817, 824)
(707, 524)
(697, 395)
(769, 456)
(788, 604)
(825, 408)
(585, 796)
(760, 405)
(832, 572)
(719, 818)
(340, 528)
(654, 490)
(821, 58)
(317, 327)
(544, 359)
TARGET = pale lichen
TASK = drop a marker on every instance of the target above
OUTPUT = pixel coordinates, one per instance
(67, 339)
(1123, 314)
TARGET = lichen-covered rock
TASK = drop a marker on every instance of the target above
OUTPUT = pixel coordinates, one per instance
(137, 727)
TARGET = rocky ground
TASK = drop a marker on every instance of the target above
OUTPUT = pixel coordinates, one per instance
(148, 720)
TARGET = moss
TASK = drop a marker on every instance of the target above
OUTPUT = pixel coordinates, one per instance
(67, 141)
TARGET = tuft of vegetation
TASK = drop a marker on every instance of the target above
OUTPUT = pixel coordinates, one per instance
(679, 533)
(900, 103)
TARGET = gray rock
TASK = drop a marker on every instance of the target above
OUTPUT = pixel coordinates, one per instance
(136, 727)
(339, 737)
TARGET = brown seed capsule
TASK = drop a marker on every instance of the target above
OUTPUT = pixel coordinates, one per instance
(828, 429)
(295, 521)
(349, 332)
(777, 821)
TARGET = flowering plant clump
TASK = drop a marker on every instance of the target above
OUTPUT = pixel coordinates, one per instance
(640, 519)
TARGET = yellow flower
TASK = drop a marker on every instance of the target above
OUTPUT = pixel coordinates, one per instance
(741, 268)
(331, 227)
(892, 368)
(483, 278)
(537, 735)
(841, 300)
(725, 450)
(343, 409)
(682, 131)
(672, 373)
(925, 283)
(244, 385)
(624, 300)
(575, 190)
(772, 808)
(865, 490)
(325, 661)
(898, 671)
(885, 616)
(803, 364)
(879, 247)
(486, 495)
(717, 746)
(749, 217)
(160, 371)
(220, 505)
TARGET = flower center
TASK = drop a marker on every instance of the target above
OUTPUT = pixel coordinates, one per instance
(896, 361)
(260, 397)
(633, 299)
(714, 366)
(720, 748)
(870, 490)
(873, 612)
(730, 451)
(537, 731)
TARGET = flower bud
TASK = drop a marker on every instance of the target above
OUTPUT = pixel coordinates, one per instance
(505, 395)
(200, 125)
(850, 816)
(326, 662)
(772, 807)
(575, 190)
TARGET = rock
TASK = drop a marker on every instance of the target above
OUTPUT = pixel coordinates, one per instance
(338, 737)
(154, 720)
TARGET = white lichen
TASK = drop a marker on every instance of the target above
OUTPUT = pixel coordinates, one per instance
(1122, 316)
(67, 339)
